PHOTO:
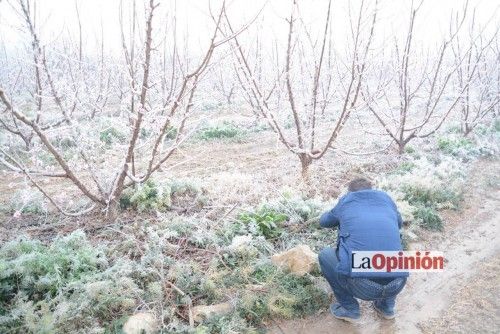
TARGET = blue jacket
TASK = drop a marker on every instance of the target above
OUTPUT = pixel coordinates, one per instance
(368, 220)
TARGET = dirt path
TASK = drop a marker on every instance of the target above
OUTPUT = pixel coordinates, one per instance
(464, 298)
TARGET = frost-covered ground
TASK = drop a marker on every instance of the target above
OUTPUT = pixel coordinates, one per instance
(173, 247)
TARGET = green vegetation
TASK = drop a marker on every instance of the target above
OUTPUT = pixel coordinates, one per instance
(147, 197)
(430, 197)
(424, 203)
(268, 219)
(428, 218)
(57, 288)
(65, 142)
(455, 146)
(72, 285)
(226, 324)
(405, 167)
(153, 196)
(264, 222)
(111, 135)
(279, 295)
(25, 202)
(496, 125)
(225, 130)
(409, 149)
(211, 106)
(171, 133)
(296, 208)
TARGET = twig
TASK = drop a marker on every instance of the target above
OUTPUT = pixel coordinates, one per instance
(306, 223)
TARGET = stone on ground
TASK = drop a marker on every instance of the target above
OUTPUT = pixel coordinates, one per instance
(240, 241)
(299, 260)
(140, 323)
(202, 312)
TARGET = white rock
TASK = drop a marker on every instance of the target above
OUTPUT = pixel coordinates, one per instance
(239, 241)
(202, 312)
(140, 323)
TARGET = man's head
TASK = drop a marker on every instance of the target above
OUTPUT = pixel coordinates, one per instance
(359, 183)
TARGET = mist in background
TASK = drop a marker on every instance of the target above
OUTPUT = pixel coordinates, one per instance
(192, 23)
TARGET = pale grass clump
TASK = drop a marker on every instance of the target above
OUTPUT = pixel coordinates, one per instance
(467, 149)
(422, 186)
(25, 201)
(297, 208)
(230, 187)
(427, 177)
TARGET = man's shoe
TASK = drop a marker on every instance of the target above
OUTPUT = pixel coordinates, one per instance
(341, 313)
(385, 313)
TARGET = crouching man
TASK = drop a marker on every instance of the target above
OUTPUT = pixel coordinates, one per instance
(367, 220)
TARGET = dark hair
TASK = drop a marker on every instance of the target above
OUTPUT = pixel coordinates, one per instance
(359, 183)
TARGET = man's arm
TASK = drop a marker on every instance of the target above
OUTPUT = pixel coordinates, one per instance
(400, 219)
(395, 207)
(331, 218)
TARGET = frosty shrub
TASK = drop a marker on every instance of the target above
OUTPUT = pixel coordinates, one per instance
(226, 325)
(467, 149)
(245, 250)
(225, 130)
(171, 133)
(405, 167)
(27, 202)
(65, 142)
(270, 218)
(427, 182)
(428, 218)
(297, 208)
(404, 207)
(37, 271)
(409, 149)
(281, 295)
(188, 276)
(197, 231)
(456, 146)
(39, 284)
(72, 286)
(111, 135)
(417, 195)
(424, 188)
(155, 196)
(186, 193)
(149, 196)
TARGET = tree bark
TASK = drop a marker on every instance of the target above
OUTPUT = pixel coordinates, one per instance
(305, 163)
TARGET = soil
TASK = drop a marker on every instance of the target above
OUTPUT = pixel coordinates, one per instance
(463, 298)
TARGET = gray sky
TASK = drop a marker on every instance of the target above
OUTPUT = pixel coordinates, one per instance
(57, 18)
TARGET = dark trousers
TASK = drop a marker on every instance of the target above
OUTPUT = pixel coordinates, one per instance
(347, 289)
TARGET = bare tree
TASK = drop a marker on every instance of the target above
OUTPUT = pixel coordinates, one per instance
(224, 84)
(476, 76)
(154, 107)
(414, 101)
(305, 79)
(37, 89)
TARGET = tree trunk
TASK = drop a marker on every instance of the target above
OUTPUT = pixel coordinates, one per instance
(467, 130)
(401, 148)
(305, 162)
(113, 210)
